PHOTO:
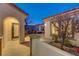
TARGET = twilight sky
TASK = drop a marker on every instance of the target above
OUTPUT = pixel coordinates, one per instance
(38, 11)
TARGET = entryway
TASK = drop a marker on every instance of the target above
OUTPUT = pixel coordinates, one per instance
(11, 42)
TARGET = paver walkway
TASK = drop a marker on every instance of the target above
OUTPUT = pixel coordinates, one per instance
(14, 48)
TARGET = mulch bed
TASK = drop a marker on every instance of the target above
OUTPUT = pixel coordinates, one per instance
(73, 50)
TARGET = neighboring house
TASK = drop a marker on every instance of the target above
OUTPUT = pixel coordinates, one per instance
(52, 22)
(40, 28)
(12, 21)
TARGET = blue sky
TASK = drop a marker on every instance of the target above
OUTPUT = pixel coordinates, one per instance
(38, 11)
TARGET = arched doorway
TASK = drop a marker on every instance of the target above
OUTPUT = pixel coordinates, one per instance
(11, 45)
(10, 30)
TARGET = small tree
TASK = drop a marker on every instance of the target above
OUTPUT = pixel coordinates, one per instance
(28, 21)
(64, 22)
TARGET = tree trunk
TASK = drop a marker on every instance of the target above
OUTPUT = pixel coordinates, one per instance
(62, 44)
(63, 39)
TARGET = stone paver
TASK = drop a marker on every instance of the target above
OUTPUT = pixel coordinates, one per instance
(14, 48)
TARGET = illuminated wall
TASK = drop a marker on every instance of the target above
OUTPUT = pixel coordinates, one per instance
(8, 28)
(54, 29)
(8, 11)
(9, 15)
(47, 29)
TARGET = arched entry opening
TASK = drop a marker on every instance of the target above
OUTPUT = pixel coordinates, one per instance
(11, 34)
(10, 25)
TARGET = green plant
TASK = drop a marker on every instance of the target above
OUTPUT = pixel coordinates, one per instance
(67, 43)
(55, 37)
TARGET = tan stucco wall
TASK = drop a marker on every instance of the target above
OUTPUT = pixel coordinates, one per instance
(8, 11)
(47, 29)
(8, 30)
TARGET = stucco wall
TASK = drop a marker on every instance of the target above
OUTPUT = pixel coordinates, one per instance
(7, 11)
(8, 23)
(47, 29)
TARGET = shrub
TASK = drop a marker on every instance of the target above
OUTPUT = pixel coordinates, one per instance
(55, 37)
(67, 43)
